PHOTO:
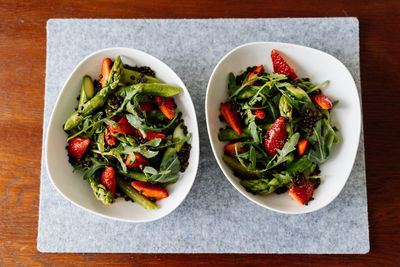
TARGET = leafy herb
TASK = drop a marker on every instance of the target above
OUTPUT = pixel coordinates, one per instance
(169, 169)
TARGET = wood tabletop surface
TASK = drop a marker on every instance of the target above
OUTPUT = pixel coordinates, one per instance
(22, 77)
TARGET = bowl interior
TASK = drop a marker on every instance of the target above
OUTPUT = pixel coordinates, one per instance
(71, 185)
(307, 62)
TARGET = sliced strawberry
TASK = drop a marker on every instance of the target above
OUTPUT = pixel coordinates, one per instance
(255, 73)
(139, 160)
(167, 106)
(145, 106)
(302, 146)
(109, 138)
(322, 100)
(108, 179)
(124, 127)
(231, 116)
(280, 65)
(302, 193)
(105, 70)
(275, 137)
(153, 135)
(149, 190)
(230, 149)
(259, 113)
(77, 147)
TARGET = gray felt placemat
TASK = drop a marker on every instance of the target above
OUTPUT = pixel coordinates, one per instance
(214, 218)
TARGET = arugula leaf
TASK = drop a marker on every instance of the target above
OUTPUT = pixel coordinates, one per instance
(321, 140)
(266, 186)
(96, 165)
(253, 126)
(169, 169)
(232, 86)
(289, 146)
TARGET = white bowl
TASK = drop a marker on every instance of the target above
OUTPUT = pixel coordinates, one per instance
(71, 185)
(307, 62)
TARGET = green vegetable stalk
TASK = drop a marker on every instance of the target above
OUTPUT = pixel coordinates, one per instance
(98, 100)
(131, 77)
(159, 89)
(101, 192)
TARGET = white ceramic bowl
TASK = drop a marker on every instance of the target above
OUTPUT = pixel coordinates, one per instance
(307, 62)
(71, 185)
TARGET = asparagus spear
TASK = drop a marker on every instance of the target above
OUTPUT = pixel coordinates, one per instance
(135, 196)
(131, 77)
(239, 169)
(98, 100)
(87, 90)
(159, 89)
(264, 186)
(101, 192)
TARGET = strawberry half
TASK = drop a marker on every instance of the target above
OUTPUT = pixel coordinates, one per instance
(275, 137)
(149, 190)
(230, 149)
(280, 65)
(259, 113)
(124, 127)
(167, 106)
(109, 138)
(139, 160)
(255, 73)
(77, 147)
(302, 193)
(108, 179)
(322, 100)
(302, 146)
(105, 70)
(231, 116)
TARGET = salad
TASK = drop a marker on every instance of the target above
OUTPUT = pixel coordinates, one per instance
(279, 130)
(127, 135)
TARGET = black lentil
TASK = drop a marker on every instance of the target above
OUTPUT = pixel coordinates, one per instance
(309, 119)
(145, 70)
(184, 155)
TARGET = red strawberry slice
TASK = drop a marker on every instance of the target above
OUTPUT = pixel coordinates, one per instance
(255, 73)
(123, 127)
(108, 179)
(149, 190)
(259, 113)
(302, 146)
(322, 100)
(231, 116)
(139, 160)
(77, 147)
(109, 138)
(302, 193)
(275, 137)
(230, 149)
(150, 135)
(280, 65)
(105, 70)
(145, 106)
(167, 106)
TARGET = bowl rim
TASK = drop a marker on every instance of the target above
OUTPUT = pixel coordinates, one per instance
(59, 97)
(220, 164)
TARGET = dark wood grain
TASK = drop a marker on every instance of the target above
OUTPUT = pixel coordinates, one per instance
(23, 53)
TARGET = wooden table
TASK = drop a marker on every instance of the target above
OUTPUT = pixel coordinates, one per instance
(23, 49)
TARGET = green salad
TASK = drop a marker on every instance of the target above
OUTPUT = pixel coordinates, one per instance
(127, 136)
(279, 130)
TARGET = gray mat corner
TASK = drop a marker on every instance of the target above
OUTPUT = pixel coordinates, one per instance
(221, 221)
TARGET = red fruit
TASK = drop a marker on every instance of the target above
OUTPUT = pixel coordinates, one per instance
(146, 106)
(230, 149)
(108, 179)
(231, 116)
(153, 135)
(302, 146)
(322, 101)
(109, 138)
(259, 113)
(275, 137)
(139, 160)
(77, 147)
(123, 127)
(302, 193)
(105, 70)
(255, 73)
(167, 106)
(149, 190)
(280, 65)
